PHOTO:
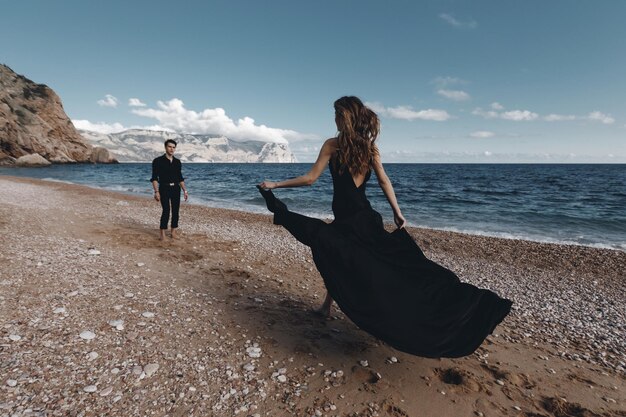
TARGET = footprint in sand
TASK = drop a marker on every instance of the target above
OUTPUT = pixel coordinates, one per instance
(239, 273)
(578, 378)
(458, 378)
(518, 380)
(368, 376)
(393, 410)
(561, 408)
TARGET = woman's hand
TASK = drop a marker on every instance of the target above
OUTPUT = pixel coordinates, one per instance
(399, 219)
(268, 185)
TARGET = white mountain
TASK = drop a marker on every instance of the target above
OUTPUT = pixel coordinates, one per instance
(137, 145)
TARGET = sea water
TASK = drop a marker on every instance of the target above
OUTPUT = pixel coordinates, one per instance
(561, 203)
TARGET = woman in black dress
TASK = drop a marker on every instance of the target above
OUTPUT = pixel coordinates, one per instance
(382, 281)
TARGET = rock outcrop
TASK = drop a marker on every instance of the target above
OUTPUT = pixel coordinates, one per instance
(32, 121)
(138, 145)
(33, 160)
(100, 155)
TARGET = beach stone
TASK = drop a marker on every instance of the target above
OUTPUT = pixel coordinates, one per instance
(15, 337)
(106, 391)
(363, 363)
(93, 356)
(115, 323)
(93, 252)
(254, 352)
(90, 388)
(150, 369)
(11, 382)
(87, 335)
(147, 314)
(59, 310)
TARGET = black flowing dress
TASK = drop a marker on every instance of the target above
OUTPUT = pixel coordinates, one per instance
(383, 282)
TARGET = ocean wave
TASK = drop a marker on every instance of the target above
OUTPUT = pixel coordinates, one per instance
(620, 246)
(58, 180)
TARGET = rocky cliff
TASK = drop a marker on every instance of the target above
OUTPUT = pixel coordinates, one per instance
(32, 121)
(138, 145)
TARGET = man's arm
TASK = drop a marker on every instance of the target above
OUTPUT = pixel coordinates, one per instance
(182, 181)
(185, 194)
(154, 180)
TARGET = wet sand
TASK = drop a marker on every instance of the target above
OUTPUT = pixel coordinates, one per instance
(99, 317)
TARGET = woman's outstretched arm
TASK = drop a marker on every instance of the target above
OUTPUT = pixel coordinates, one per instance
(314, 173)
(385, 184)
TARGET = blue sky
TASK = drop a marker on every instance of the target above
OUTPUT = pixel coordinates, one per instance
(453, 81)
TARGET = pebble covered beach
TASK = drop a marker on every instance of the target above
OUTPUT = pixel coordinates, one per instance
(97, 316)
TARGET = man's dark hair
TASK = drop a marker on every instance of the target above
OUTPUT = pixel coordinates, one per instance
(171, 141)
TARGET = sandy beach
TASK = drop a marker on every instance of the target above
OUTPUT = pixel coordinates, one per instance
(99, 317)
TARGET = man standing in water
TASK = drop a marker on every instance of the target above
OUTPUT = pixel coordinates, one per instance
(167, 181)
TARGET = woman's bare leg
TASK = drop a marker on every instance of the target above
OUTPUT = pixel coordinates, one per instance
(324, 309)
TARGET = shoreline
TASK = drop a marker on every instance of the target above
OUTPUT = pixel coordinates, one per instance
(262, 211)
(217, 322)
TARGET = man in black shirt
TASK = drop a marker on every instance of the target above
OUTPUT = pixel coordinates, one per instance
(167, 181)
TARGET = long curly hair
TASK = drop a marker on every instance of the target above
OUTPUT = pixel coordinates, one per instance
(358, 129)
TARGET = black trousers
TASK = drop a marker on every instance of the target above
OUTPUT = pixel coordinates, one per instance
(169, 195)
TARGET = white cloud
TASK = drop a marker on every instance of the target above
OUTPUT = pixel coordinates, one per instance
(489, 114)
(173, 115)
(455, 95)
(498, 112)
(108, 101)
(407, 113)
(559, 117)
(601, 117)
(515, 115)
(487, 153)
(99, 127)
(135, 102)
(451, 20)
(481, 134)
(519, 115)
(443, 82)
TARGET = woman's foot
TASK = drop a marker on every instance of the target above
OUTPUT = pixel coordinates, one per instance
(273, 204)
(323, 312)
(324, 309)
